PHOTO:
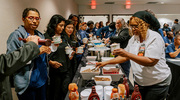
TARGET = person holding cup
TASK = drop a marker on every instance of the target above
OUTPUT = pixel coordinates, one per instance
(59, 71)
(146, 50)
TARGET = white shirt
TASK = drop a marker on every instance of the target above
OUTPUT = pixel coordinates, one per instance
(154, 48)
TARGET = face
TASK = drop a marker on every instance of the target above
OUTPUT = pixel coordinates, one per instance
(91, 26)
(177, 41)
(84, 26)
(31, 22)
(75, 19)
(118, 24)
(59, 27)
(69, 29)
(97, 24)
(134, 26)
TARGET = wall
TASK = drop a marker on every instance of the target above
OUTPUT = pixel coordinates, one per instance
(164, 12)
(11, 12)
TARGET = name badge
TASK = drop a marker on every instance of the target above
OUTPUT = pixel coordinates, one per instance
(141, 50)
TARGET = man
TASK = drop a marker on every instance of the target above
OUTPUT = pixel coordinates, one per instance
(122, 36)
(173, 50)
(30, 80)
(176, 26)
(90, 25)
(14, 61)
(169, 38)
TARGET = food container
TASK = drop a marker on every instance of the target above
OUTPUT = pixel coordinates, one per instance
(103, 82)
(91, 63)
(103, 59)
(88, 75)
(114, 72)
(91, 58)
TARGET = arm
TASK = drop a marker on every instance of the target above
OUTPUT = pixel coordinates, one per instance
(116, 60)
(142, 60)
(174, 54)
(13, 61)
(123, 36)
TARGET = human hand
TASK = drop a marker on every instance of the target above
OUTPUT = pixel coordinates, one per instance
(71, 55)
(100, 64)
(106, 41)
(33, 38)
(120, 52)
(44, 49)
(55, 64)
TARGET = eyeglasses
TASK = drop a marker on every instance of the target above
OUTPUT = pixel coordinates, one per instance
(31, 18)
(134, 26)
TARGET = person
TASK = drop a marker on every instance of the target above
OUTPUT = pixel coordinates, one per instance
(154, 24)
(121, 36)
(95, 29)
(59, 73)
(14, 61)
(145, 49)
(173, 50)
(83, 32)
(89, 31)
(30, 81)
(109, 31)
(77, 36)
(169, 38)
(176, 26)
(166, 27)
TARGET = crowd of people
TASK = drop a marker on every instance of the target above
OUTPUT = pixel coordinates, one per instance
(42, 74)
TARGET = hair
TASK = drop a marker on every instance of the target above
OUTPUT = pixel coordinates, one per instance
(142, 26)
(71, 17)
(90, 22)
(112, 25)
(168, 33)
(83, 23)
(176, 20)
(124, 24)
(73, 35)
(100, 24)
(25, 12)
(177, 35)
(54, 21)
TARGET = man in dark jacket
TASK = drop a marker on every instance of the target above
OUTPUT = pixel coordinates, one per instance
(122, 36)
(12, 62)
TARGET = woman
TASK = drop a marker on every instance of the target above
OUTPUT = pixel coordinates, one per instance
(59, 61)
(146, 52)
(71, 38)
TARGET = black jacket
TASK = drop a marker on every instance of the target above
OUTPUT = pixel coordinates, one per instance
(122, 38)
(11, 63)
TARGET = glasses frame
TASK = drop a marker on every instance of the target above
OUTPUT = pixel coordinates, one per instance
(32, 18)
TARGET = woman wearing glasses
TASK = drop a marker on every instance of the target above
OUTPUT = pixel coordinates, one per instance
(146, 52)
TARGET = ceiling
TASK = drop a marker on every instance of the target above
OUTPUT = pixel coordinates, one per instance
(134, 2)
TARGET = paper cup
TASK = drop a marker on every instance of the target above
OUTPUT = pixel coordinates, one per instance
(80, 50)
(68, 50)
(56, 39)
(85, 40)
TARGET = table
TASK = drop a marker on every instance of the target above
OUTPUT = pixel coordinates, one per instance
(174, 89)
(82, 84)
